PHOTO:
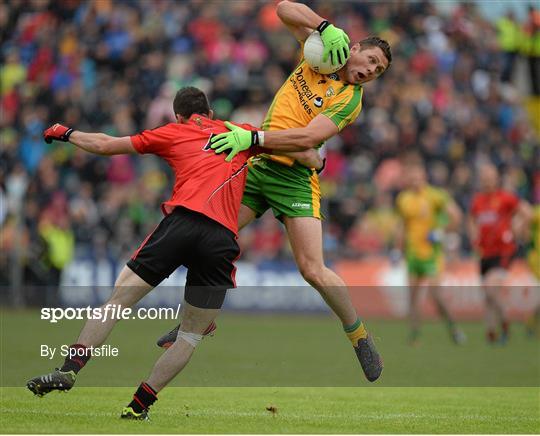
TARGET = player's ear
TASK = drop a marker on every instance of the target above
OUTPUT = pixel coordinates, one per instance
(211, 114)
(180, 119)
(355, 47)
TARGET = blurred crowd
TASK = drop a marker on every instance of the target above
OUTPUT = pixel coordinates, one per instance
(114, 66)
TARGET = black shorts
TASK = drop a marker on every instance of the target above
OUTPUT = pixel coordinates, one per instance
(206, 248)
(494, 262)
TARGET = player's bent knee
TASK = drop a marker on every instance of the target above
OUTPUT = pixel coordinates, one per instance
(312, 273)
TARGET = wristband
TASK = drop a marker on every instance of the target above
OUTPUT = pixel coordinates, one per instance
(322, 26)
(260, 135)
(254, 138)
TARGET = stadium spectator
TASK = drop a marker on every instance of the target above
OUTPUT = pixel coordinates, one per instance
(509, 39)
(532, 47)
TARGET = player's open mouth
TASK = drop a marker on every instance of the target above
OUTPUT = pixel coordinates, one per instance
(361, 76)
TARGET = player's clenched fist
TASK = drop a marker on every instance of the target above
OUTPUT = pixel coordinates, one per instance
(335, 42)
(57, 132)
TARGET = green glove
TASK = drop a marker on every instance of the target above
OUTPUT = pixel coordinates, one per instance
(237, 140)
(335, 42)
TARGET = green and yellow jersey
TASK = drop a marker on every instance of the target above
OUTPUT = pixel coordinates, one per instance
(533, 255)
(422, 212)
(306, 94)
(278, 182)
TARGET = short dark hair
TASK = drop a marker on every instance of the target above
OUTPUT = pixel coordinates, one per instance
(375, 41)
(190, 100)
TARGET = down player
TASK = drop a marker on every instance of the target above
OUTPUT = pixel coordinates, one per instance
(490, 231)
(308, 109)
(426, 212)
(199, 231)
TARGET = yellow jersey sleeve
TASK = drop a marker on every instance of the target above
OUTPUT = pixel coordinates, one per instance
(345, 106)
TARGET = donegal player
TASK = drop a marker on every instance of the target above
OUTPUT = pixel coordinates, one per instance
(308, 109)
(425, 211)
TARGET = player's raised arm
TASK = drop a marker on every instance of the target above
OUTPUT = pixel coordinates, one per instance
(299, 18)
(302, 20)
(96, 143)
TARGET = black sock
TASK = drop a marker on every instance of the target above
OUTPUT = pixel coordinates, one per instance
(78, 356)
(143, 398)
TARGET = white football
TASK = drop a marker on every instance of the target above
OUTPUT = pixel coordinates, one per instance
(313, 51)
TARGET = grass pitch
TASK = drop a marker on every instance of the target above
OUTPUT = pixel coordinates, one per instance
(297, 410)
(301, 367)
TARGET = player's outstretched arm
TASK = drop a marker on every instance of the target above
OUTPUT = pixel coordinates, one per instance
(302, 20)
(96, 143)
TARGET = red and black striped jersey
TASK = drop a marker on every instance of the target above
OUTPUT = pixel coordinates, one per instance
(493, 213)
(204, 182)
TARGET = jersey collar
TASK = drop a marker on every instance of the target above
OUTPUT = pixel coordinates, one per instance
(200, 120)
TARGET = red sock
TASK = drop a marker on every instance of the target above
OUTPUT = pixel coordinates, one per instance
(78, 356)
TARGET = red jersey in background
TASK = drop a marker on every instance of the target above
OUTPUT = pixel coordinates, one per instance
(493, 214)
(204, 182)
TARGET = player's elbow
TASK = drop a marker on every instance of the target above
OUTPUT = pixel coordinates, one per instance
(282, 9)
